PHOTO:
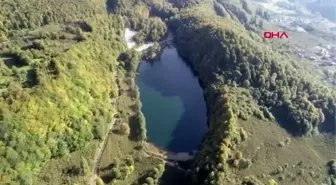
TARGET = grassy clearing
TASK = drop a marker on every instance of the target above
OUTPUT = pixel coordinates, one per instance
(278, 155)
(60, 170)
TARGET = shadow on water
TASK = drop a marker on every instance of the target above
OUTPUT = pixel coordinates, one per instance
(171, 77)
(185, 133)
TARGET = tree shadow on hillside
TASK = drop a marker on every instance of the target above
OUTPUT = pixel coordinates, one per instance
(141, 180)
(172, 175)
(329, 125)
(134, 132)
(107, 178)
(281, 117)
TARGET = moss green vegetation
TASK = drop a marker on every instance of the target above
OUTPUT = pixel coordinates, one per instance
(244, 78)
(57, 81)
(69, 169)
(239, 59)
(152, 53)
(66, 74)
(137, 15)
(218, 153)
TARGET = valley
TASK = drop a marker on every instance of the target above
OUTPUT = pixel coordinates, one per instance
(129, 92)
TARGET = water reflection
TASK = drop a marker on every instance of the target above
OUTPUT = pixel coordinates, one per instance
(172, 102)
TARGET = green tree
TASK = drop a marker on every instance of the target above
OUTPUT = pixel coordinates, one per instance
(129, 160)
(100, 181)
(85, 168)
(116, 174)
(142, 126)
(130, 60)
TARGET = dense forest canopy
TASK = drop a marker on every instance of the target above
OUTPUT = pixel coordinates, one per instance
(227, 54)
(232, 62)
(57, 80)
(59, 62)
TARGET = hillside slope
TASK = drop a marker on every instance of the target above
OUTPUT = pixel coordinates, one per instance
(57, 81)
(269, 120)
(232, 62)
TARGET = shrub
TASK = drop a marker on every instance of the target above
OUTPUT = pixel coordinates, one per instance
(115, 162)
(100, 181)
(243, 134)
(272, 182)
(245, 163)
(287, 141)
(300, 163)
(235, 163)
(124, 129)
(212, 175)
(85, 167)
(281, 144)
(38, 45)
(155, 173)
(116, 174)
(312, 174)
(129, 160)
(130, 60)
(243, 116)
(281, 178)
(99, 131)
(331, 163)
(280, 169)
(239, 155)
(150, 181)
(301, 172)
(124, 172)
(262, 176)
(141, 124)
(332, 167)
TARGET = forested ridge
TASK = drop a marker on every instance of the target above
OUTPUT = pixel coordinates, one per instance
(217, 152)
(245, 77)
(225, 53)
(58, 83)
(58, 61)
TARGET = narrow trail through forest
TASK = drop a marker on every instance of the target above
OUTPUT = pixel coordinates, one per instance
(105, 141)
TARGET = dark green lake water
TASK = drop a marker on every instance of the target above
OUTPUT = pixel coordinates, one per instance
(172, 102)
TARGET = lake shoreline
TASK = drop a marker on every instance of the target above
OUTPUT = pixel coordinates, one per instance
(167, 72)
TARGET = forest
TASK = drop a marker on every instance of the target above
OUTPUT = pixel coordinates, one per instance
(58, 67)
(229, 56)
(58, 80)
(232, 63)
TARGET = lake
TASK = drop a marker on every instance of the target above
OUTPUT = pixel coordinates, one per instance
(172, 102)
